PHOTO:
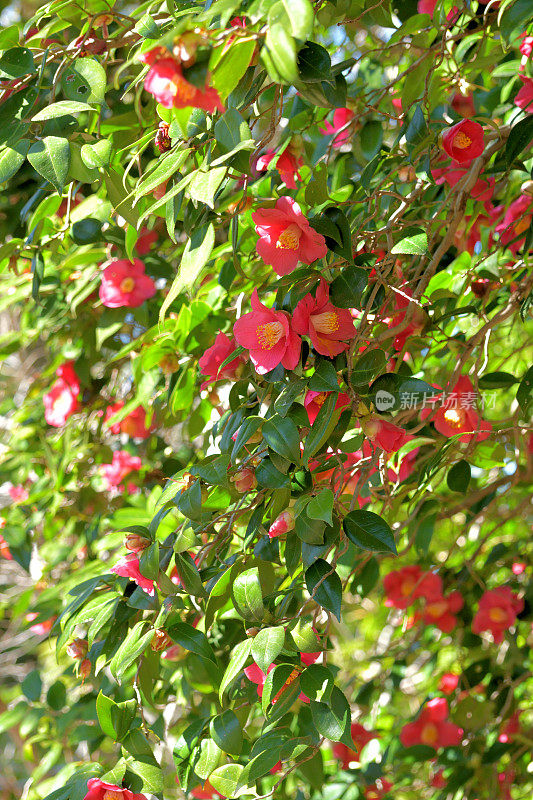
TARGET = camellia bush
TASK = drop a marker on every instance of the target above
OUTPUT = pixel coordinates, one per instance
(266, 387)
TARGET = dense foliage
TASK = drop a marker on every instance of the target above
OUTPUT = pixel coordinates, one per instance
(266, 388)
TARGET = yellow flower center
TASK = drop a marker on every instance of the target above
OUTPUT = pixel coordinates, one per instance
(269, 334)
(522, 226)
(127, 285)
(182, 89)
(455, 417)
(437, 609)
(112, 795)
(289, 239)
(327, 322)
(320, 399)
(407, 587)
(497, 614)
(430, 734)
(462, 141)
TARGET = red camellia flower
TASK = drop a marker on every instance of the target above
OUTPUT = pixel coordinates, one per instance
(128, 567)
(215, 355)
(440, 611)
(268, 335)
(383, 434)
(415, 324)
(285, 236)
(5, 552)
(134, 424)
(524, 98)
(287, 164)
(341, 117)
(313, 402)
(62, 399)
(464, 141)
(405, 585)
(145, 240)
(326, 325)
(124, 284)
(482, 190)
(122, 464)
(432, 727)
(463, 104)
(98, 790)
(515, 222)
(257, 676)
(205, 792)
(497, 612)
(458, 415)
(448, 682)
(377, 790)
(166, 82)
(361, 736)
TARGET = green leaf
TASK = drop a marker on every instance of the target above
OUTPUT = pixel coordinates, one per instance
(61, 109)
(369, 531)
(51, 158)
(226, 732)
(195, 256)
(231, 67)
(12, 158)
(231, 130)
(514, 17)
(524, 393)
(248, 596)
(115, 718)
(304, 637)
(458, 476)
(413, 391)
(333, 719)
(205, 185)
(84, 80)
(119, 196)
(32, 686)
(496, 380)
(164, 169)
(519, 138)
(321, 506)
(191, 639)
(316, 682)
(320, 428)
(329, 591)
(371, 139)
(147, 28)
(279, 55)
(314, 63)
(412, 245)
(417, 130)
(282, 436)
(189, 575)
(267, 646)
(225, 780)
(208, 758)
(98, 154)
(271, 477)
(16, 62)
(347, 288)
(310, 531)
(302, 16)
(367, 366)
(324, 378)
(238, 659)
(131, 648)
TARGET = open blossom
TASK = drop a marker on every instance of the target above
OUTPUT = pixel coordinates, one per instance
(361, 736)
(464, 141)
(497, 612)
(285, 236)
(269, 337)
(62, 399)
(515, 223)
(326, 325)
(287, 164)
(440, 611)
(313, 402)
(282, 524)
(448, 682)
(415, 324)
(124, 284)
(383, 434)
(341, 117)
(128, 567)
(215, 355)
(99, 790)
(122, 464)
(405, 585)
(166, 82)
(456, 414)
(524, 98)
(40, 628)
(5, 552)
(134, 424)
(432, 727)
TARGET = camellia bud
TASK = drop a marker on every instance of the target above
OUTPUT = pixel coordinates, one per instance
(481, 287)
(162, 140)
(77, 648)
(282, 524)
(169, 364)
(135, 543)
(244, 480)
(160, 640)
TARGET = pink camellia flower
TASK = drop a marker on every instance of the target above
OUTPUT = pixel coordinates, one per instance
(282, 524)
(128, 567)
(515, 222)
(464, 141)
(341, 117)
(244, 480)
(124, 284)
(40, 628)
(285, 237)
(457, 414)
(326, 325)
(62, 399)
(215, 355)
(18, 493)
(448, 682)
(361, 737)
(432, 727)
(145, 240)
(166, 82)
(288, 165)
(313, 402)
(99, 790)
(497, 612)
(383, 434)
(134, 424)
(268, 335)
(524, 98)
(122, 464)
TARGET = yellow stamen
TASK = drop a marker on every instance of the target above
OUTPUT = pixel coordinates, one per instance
(112, 795)
(289, 239)
(437, 609)
(522, 226)
(182, 89)
(269, 334)
(327, 322)
(429, 734)
(462, 141)
(407, 587)
(127, 285)
(497, 615)
(455, 417)
(320, 399)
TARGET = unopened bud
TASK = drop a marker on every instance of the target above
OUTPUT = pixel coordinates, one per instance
(244, 480)
(85, 668)
(481, 287)
(252, 631)
(162, 140)
(77, 648)
(169, 364)
(160, 640)
(283, 524)
(527, 188)
(135, 543)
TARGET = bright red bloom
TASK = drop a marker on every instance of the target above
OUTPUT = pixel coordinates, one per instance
(482, 190)
(524, 98)
(440, 611)
(416, 323)
(288, 165)
(145, 240)
(464, 141)
(128, 567)
(67, 373)
(257, 676)
(18, 493)
(215, 355)
(361, 736)
(497, 612)
(282, 524)
(40, 628)
(458, 415)
(438, 780)
(326, 325)
(526, 45)
(124, 284)
(463, 105)
(510, 728)
(383, 434)
(166, 82)
(313, 402)
(122, 464)
(448, 682)
(515, 222)
(205, 792)
(405, 585)
(432, 727)
(5, 552)
(59, 403)
(268, 335)
(341, 117)
(377, 790)
(285, 237)
(98, 790)
(134, 424)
